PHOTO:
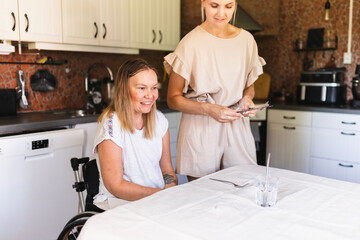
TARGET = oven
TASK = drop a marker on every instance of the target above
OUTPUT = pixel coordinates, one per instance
(258, 129)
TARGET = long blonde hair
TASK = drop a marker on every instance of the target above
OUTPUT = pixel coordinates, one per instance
(203, 15)
(121, 103)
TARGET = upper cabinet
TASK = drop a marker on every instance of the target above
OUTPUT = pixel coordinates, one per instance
(118, 26)
(155, 24)
(9, 20)
(96, 22)
(266, 13)
(40, 20)
(31, 20)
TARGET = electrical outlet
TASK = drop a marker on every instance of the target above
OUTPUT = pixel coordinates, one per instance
(347, 58)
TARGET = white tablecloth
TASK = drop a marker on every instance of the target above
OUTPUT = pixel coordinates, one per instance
(308, 207)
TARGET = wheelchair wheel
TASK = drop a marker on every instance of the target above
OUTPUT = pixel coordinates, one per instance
(81, 215)
(72, 230)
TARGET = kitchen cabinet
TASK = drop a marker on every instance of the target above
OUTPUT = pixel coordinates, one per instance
(155, 24)
(288, 139)
(9, 20)
(96, 22)
(174, 123)
(31, 20)
(335, 146)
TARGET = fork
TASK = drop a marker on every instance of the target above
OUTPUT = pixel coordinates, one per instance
(225, 181)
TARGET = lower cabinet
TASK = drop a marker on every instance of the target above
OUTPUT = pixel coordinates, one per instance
(335, 148)
(288, 139)
(335, 169)
(319, 143)
(289, 147)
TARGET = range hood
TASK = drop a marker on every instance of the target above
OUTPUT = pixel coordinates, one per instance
(245, 21)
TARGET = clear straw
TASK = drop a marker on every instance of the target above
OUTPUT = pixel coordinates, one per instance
(267, 169)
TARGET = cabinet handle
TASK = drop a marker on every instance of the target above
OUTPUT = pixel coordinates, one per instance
(289, 128)
(27, 22)
(286, 117)
(105, 31)
(348, 134)
(350, 123)
(344, 165)
(96, 28)
(13, 15)
(154, 34)
(161, 36)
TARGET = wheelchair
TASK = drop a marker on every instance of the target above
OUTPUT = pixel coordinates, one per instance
(90, 183)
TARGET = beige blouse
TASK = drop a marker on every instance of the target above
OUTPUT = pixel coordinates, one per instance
(216, 70)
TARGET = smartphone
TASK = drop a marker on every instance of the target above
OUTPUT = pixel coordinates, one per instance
(258, 107)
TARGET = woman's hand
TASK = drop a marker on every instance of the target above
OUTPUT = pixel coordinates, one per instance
(246, 103)
(220, 113)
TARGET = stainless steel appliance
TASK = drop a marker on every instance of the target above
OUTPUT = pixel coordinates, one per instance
(322, 86)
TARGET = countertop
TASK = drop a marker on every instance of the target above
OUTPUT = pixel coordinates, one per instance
(24, 122)
(37, 121)
(346, 108)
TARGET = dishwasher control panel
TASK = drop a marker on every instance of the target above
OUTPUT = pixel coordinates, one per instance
(39, 144)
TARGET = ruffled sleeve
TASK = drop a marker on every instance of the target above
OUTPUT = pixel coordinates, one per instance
(173, 62)
(256, 64)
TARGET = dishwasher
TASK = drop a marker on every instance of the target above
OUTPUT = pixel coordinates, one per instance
(36, 181)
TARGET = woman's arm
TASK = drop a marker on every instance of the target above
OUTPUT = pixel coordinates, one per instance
(111, 166)
(166, 166)
(177, 101)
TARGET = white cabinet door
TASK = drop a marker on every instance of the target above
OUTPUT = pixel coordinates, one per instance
(335, 169)
(142, 30)
(114, 20)
(168, 24)
(9, 20)
(155, 24)
(40, 20)
(343, 145)
(289, 146)
(81, 22)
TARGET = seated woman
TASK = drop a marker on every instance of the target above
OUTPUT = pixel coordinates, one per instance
(132, 139)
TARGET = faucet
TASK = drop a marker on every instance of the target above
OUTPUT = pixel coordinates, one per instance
(89, 94)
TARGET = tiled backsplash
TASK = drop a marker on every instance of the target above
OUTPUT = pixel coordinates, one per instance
(69, 92)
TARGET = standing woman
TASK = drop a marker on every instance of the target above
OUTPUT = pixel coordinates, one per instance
(132, 139)
(212, 72)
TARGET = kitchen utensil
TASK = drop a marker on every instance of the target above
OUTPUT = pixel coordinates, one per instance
(43, 81)
(225, 181)
(23, 100)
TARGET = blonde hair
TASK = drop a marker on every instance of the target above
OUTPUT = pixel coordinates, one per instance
(121, 103)
(203, 15)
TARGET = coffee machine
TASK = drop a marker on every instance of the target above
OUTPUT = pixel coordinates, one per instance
(356, 88)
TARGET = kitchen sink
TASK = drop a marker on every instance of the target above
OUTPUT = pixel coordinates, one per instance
(73, 112)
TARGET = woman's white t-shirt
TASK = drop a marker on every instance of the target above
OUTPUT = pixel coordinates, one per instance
(141, 156)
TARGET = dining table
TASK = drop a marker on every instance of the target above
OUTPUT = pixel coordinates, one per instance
(307, 207)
